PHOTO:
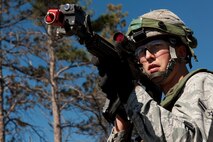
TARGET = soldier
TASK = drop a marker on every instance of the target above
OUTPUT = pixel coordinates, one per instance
(186, 111)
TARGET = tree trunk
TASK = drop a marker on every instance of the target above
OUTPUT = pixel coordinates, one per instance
(54, 96)
(2, 132)
(56, 117)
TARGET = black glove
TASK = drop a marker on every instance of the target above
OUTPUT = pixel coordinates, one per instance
(115, 78)
(111, 109)
(116, 83)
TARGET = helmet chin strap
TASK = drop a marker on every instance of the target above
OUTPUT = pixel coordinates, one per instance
(160, 76)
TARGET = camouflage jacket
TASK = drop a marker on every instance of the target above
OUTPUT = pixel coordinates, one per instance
(190, 119)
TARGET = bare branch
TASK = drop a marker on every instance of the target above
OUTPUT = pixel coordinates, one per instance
(71, 66)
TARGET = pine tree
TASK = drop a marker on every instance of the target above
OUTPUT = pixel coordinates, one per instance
(53, 76)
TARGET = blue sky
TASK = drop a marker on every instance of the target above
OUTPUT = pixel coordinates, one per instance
(197, 15)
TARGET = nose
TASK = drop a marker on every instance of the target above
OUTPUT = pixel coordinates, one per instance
(149, 56)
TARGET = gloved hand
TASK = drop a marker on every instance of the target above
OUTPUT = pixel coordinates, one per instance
(116, 78)
(116, 84)
(113, 108)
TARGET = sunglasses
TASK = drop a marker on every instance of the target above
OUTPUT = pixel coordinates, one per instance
(153, 47)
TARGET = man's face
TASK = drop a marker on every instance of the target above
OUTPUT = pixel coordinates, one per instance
(154, 56)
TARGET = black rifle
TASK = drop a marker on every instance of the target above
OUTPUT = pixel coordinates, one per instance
(118, 60)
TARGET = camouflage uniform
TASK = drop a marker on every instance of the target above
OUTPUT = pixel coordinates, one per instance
(187, 110)
(190, 119)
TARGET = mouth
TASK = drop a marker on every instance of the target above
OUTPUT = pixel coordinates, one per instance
(153, 68)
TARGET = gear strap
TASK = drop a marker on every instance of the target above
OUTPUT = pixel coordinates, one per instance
(174, 93)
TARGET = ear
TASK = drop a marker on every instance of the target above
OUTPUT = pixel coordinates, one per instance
(181, 51)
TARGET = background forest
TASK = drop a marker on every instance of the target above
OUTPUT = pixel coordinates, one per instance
(49, 90)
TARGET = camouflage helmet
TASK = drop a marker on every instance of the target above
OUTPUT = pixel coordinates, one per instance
(162, 22)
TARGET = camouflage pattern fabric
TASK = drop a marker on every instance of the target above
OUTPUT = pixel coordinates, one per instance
(189, 120)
